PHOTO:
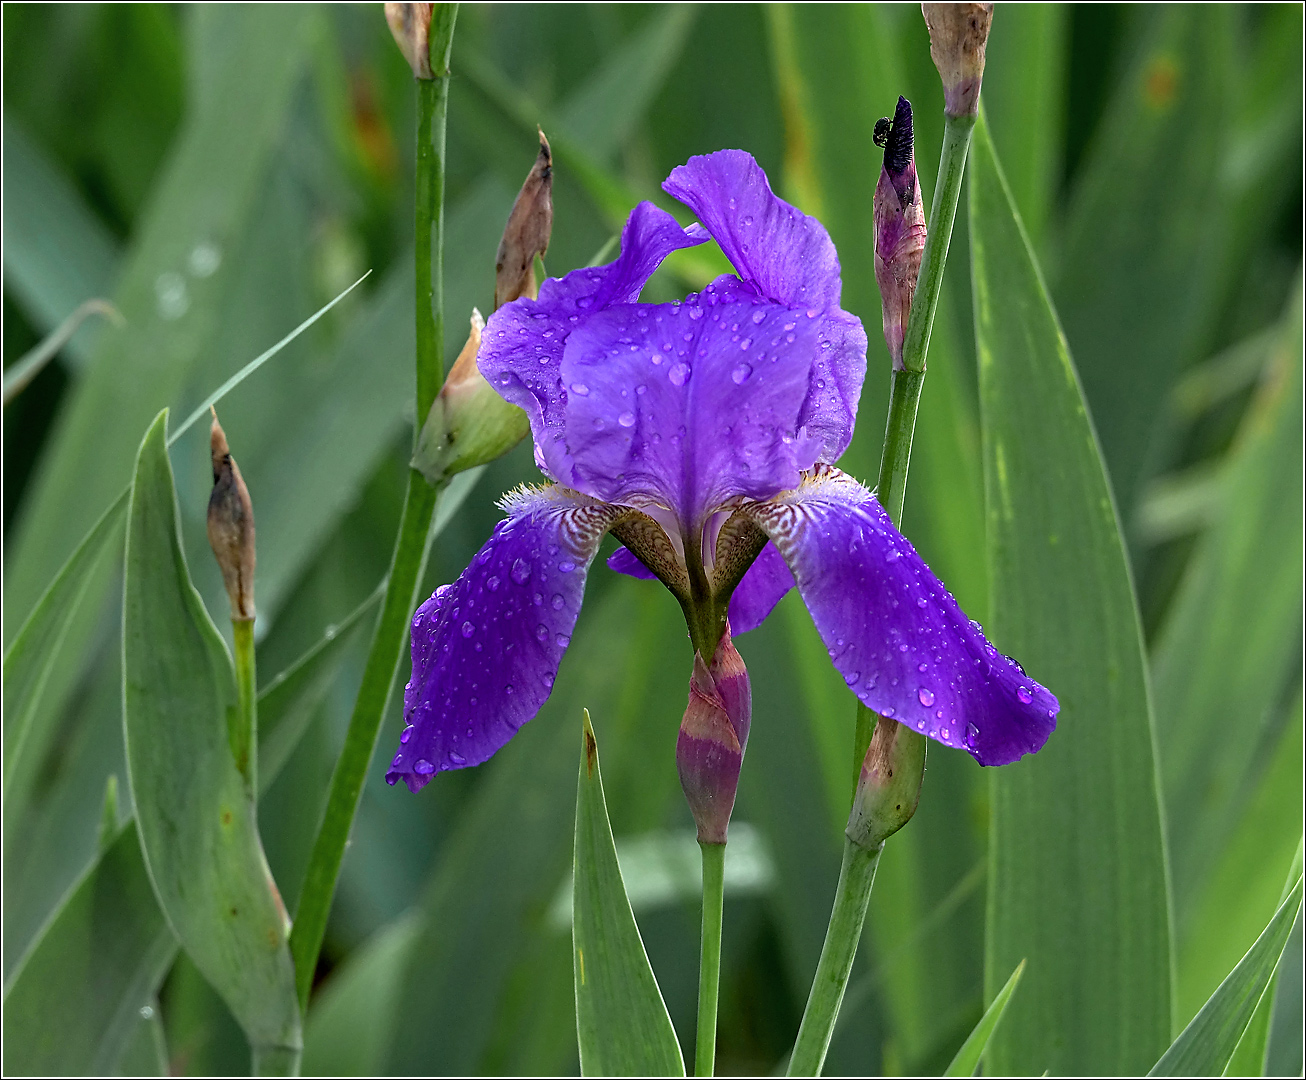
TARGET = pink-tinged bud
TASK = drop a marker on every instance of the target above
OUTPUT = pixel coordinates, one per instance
(527, 232)
(713, 735)
(231, 526)
(889, 787)
(958, 35)
(899, 227)
(411, 26)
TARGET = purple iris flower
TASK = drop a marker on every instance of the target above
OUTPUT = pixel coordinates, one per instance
(703, 435)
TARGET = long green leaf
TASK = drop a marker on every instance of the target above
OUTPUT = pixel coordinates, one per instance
(621, 1021)
(1077, 867)
(196, 818)
(1205, 1046)
(1231, 640)
(968, 1057)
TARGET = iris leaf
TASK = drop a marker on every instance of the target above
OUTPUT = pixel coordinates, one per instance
(194, 813)
(1077, 878)
(1205, 1046)
(621, 1020)
(972, 1049)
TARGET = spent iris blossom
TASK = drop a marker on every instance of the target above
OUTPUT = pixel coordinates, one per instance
(703, 435)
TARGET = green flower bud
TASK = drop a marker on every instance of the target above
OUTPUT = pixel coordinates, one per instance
(889, 786)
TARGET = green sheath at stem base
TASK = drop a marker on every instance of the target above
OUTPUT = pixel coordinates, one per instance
(245, 736)
(709, 964)
(276, 1061)
(837, 954)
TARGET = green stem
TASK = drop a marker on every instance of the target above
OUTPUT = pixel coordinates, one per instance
(947, 190)
(709, 963)
(244, 737)
(837, 954)
(276, 1060)
(412, 543)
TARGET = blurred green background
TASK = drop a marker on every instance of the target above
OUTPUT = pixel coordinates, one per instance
(221, 173)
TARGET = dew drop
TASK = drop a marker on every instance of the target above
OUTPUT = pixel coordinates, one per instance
(921, 602)
(406, 734)
(521, 571)
(888, 711)
(562, 640)
(468, 629)
(566, 567)
(542, 633)
(944, 733)
(580, 388)
(557, 601)
(758, 316)
(457, 759)
(926, 696)
(922, 666)
(1024, 695)
(851, 677)
(972, 733)
(424, 768)
(626, 419)
(547, 679)
(740, 374)
(492, 583)
(679, 375)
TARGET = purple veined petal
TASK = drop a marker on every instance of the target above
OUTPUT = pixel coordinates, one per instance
(894, 631)
(625, 561)
(486, 648)
(521, 350)
(790, 259)
(761, 588)
(688, 405)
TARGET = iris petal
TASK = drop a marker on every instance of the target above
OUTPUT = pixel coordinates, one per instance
(789, 258)
(486, 648)
(761, 588)
(894, 632)
(689, 405)
(521, 350)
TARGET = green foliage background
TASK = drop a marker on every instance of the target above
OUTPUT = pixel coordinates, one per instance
(222, 173)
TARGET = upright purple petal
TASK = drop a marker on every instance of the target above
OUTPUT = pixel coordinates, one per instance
(689, 405)
(521, 352)
(761, 588)
(894, 631)
(789, 258)
(487, 647)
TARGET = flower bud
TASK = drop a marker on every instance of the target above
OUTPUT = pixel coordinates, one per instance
(469, 424)
(899, 227)
(231, 526)
(713, 734)
(958, 34)
(890, 784)
(527, 232)
(411, 26)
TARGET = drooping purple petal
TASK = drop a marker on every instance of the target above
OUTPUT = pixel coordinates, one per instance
(761, 588)
(521, 352)
(894, 631)
(790, 259)
(689, 405)
(625, 561)
(486, 648)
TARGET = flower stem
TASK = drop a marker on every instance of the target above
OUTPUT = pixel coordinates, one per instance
(837, 954)
(275, 1060)
(412, 543)
(709, 964)
(857, 873)
(245, 736)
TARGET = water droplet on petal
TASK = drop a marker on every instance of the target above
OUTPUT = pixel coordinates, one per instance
(492, 583)
(972, 733)
(926, 696)
(679, 375)
(542, 633)
(406, 734)
(563, 641)
(547, 679)
(457, 759)
(557, 601)
(468, 629)
(580, 388)
(521, 571)
(425, 768)
(740, 374)
(566, 566)
(626, 419)
(758, 316)
(851, 677)
(1024, 695)
(944, 733)
(922, 666)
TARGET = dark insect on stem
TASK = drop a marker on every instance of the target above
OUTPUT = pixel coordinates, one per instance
(881, 133)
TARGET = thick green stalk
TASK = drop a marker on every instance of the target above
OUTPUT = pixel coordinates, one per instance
(709, 963)
(858, 870)
(411, 545)
(276, 1060)
(837, 954)
(245, 735)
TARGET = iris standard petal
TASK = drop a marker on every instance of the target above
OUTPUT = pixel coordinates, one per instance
(894, 631)
(689, 405)
(487, 647)
(521, 350)
(761, 588)
(789, 258)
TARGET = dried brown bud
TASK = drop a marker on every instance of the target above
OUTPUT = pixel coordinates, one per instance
(527, 232)
(411, 26)
(958, 34)
(889, 788)
(231, 526)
